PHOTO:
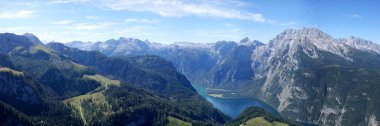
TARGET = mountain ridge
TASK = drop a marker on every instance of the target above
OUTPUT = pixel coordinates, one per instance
(292, 74)
(287, 73)
(57, 85)
(306, 74)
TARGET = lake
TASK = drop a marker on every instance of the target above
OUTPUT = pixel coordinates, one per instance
(234, 106)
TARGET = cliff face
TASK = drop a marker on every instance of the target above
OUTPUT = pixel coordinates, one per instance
(309, 76)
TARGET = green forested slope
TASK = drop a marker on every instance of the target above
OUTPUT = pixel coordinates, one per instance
(45, 86)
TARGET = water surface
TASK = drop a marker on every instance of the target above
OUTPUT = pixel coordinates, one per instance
(234, 106)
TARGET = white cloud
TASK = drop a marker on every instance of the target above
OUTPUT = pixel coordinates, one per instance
(238, 3)
(13, 29)
(178, 8)
(16, 14)
(139, 20)
(92, 17)
(229, 25)
(272, 21)
(63, 22)
(173, 8)
(66, 1)
(288, 23)
(130, 31)
(233, 27)
(354, 16)
(31, 3)
(91, 26)
(220, 34)
(88, 35)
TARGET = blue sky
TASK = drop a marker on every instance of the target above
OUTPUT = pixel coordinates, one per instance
(203, 21)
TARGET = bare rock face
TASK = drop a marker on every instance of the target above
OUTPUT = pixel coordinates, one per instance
(222, 64)
(312, 77)
(362, 44)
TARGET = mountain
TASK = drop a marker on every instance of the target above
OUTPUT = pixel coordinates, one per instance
(312, 77)
(306, 74)
(222, 61)
(114, 47)
(362, 44)
(57, 85)
(149, 72)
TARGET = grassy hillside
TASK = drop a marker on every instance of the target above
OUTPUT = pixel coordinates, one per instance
(96, 96)
(255, 116)
(177, 122)
(261, 121)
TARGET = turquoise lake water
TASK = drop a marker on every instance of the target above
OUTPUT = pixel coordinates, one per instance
(234, 106)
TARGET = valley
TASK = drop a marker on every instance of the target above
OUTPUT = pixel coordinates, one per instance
(189, 63)
(292, 80)
(299, 72)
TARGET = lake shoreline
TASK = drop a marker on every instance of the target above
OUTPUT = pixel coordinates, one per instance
(234, 104)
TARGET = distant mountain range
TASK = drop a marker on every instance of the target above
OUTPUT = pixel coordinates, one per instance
(306, 74)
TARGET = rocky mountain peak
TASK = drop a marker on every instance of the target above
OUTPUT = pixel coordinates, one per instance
(249, 42)
(309, 33)
(309, 38)
(73, 42)
(79, 44)
(129, 39)
(361, 44)
(305, 32)
(244, 40)
(356, 40)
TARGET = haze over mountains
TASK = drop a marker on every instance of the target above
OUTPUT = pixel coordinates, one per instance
(306, 74)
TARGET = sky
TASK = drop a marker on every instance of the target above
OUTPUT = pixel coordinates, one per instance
(200, 21)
